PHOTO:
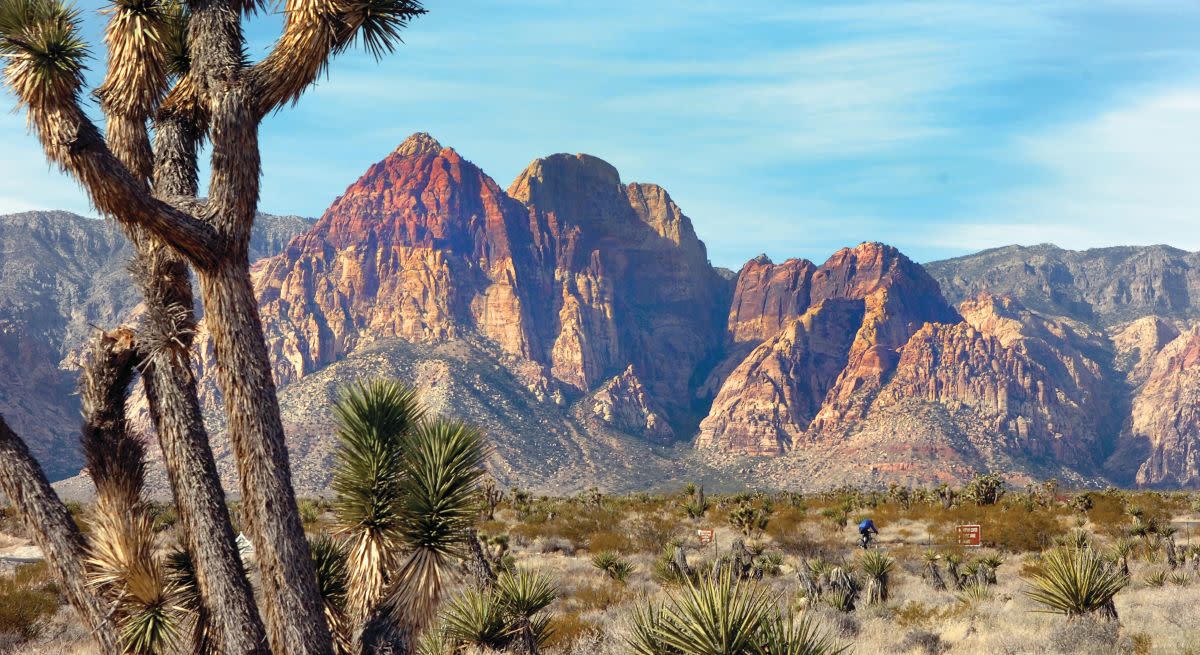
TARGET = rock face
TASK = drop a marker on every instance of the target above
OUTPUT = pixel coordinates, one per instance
(1165, 418)
(768, 401)
(577, 318)
(793, 378)
(570, 270)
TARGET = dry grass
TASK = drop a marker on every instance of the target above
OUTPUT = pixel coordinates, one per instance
(559, 536)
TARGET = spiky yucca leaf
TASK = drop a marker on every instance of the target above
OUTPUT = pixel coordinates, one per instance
(525, 593)
(476, 617)
(1075, 582)
(442, 464)
(380, 22)
(373, 419)
(646, 626)
(786, 636)
(44, 50)
(181, 573)
(716, 617)
(330, 559)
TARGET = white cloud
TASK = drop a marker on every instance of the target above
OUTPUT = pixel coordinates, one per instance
(1127, 176)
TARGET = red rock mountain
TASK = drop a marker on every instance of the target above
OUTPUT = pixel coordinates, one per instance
(577, 318)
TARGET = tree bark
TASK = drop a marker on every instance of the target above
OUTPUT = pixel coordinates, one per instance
(294, 611)
(296, 624)
(53, 530)
(227, 601)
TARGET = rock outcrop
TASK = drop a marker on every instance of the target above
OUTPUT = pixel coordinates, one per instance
(623, 404)
(770, 398)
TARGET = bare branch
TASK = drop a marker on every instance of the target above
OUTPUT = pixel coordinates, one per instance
(23, 481)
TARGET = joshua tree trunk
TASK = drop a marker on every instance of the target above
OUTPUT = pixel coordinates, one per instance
(482, 575)
(233, 97)
(54, 532)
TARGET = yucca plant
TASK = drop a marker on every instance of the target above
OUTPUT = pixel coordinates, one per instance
(1076, 582)
(373, 421)
(716, 617)
(644, 636)
(876, 566)
(476, 618)
(1122, 548)
(1155, 578)
(407, 494)
(930, 571)
(523, 595)
(329, 557)
(784, 635)
(973, 593)
(612, 565)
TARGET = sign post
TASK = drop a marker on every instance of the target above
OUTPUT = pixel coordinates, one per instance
(970, 535)
(707, 536)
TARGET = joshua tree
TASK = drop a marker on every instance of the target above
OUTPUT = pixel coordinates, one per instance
(150, 191)
(876, 566)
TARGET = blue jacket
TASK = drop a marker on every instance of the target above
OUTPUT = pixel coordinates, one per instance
(867, 526)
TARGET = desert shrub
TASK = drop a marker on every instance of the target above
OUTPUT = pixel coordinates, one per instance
(1155, 578)
(984, 489)
(24, 610)
(923, 641)
(310, 513)
(566, 628)
(1087, 636)
(651, 531)
(596, 596)
(165, 516)
(548, 545)
(598, 542)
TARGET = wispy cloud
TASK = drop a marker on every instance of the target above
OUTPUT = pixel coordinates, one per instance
(1124, 176)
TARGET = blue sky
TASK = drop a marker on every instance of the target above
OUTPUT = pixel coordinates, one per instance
(792, 128)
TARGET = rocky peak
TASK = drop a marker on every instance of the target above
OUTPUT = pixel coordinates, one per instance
(418, 145)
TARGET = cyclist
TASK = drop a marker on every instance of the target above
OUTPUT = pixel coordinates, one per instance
(866, 528)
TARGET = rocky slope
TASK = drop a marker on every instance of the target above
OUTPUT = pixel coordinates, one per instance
(61, 274)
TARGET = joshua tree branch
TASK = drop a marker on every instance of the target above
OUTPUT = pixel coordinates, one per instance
(314, 32)
(23, 481)
(72, 141)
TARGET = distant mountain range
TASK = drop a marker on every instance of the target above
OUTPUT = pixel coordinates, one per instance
(578, 320)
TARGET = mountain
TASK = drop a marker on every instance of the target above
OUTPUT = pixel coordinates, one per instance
(60, 275)
(575, 317)
(1101, 286)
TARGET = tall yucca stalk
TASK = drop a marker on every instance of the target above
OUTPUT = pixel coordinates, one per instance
(1076, 582)
(373, 420)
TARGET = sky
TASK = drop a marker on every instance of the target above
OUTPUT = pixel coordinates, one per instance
(789, 127)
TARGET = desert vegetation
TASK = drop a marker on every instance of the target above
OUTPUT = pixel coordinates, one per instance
(504, 570)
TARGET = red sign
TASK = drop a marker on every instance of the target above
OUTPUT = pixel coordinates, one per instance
(706, 536)
(969, 535)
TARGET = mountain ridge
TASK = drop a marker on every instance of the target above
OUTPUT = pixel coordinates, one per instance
(577, 318)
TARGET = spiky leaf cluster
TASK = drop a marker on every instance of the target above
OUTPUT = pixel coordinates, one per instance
(44, 50)
(721, 616)
(1075, 582)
